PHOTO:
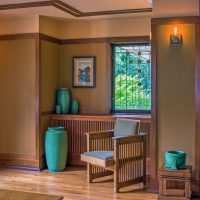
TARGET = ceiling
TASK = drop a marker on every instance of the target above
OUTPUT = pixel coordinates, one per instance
(76, 9)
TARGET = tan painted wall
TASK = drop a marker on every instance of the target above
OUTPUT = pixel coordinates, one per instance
(175, 92)
(171, 8)
(106, 28)
(92, 100)
(50, 72)
(49, 26)
(45, 123)
(97, 100)
(17, 25)
(17, 92)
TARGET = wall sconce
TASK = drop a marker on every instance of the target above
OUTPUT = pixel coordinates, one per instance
(175, 39)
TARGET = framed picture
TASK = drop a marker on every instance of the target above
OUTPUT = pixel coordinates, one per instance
(84, 72)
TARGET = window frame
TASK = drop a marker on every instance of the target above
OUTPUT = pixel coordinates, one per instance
(130, 111)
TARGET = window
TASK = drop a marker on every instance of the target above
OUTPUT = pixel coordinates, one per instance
(131, 91)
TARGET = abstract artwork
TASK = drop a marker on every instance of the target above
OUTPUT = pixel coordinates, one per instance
(84, 71)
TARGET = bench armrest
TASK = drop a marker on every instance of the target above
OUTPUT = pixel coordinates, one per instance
(100, 140)
(128, 139)
(100, 134)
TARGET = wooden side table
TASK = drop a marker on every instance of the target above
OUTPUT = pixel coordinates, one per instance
(170, 179)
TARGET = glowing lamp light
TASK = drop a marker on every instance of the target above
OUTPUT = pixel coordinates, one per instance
(175, 30)
(175, 38)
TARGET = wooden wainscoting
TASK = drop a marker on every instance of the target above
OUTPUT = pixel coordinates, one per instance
(19, 161)
(78, 125)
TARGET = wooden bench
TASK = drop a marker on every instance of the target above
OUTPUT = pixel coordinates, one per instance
(170, 182)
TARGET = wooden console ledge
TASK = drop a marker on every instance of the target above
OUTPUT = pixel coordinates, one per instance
(146, 118)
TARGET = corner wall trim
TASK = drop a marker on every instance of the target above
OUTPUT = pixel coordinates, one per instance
(19, 36)
(153, 134)
(46, 113)
(197, 102)
(41, 36)
(49, 38)
(126, 39)
(175, 20)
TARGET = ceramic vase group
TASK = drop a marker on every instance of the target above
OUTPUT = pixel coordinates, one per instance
(63, 104)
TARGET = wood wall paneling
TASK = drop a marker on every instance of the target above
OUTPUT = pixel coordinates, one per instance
(37, 97)
(108, 81)
(19, 161)
(153, 134)
(197, 102)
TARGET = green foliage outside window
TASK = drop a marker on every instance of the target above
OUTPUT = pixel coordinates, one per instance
(132, 80)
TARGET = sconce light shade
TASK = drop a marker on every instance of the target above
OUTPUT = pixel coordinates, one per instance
(175, 39)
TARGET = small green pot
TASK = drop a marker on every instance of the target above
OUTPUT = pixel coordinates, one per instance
(74, 106)
(175, 160)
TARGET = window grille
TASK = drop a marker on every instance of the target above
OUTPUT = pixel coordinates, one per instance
(131, 91)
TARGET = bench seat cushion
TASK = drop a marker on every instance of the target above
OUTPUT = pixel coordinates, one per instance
(103, 155)
(100, 158)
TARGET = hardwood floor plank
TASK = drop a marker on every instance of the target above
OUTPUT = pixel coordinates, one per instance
(19, 195)
(72, 184)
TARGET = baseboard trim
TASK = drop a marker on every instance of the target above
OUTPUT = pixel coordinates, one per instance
(43, 163)
(18, 161)
(21, 168)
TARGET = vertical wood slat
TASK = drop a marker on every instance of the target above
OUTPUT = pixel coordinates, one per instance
(130, 162)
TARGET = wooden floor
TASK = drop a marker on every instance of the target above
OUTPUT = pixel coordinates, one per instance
(71, 184)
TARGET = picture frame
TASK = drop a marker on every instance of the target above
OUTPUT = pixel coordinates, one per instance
(84, 71)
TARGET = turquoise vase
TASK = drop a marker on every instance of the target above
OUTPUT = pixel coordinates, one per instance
(56, 148)
(63, 99)
(74, 107)
(58, 109)
(175, 160)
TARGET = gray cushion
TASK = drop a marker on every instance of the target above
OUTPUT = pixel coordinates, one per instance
(125, 127)
(103, 155)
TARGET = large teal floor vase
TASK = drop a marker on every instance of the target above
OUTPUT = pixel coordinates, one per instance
(56, 148)
(63, 99)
